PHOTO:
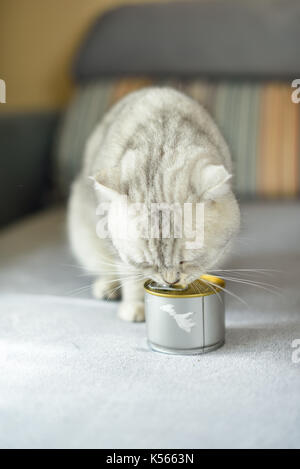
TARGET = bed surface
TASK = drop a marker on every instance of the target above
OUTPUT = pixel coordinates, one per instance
(75, 376)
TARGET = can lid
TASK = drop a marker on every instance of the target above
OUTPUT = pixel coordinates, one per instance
(197, 288)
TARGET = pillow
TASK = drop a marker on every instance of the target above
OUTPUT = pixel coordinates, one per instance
(259, 121)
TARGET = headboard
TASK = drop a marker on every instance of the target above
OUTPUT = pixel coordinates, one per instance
(233, 38)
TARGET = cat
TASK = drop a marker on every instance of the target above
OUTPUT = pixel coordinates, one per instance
(156, 145)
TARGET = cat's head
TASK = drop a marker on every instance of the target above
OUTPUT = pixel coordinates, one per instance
(179, 248)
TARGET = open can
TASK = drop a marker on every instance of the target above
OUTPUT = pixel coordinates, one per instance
(186, 320)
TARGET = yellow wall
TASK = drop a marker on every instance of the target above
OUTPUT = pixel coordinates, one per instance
(37, 41)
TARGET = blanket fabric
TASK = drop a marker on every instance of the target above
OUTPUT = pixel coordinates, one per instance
(75, 376)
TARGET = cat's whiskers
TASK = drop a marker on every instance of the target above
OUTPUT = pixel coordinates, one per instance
(214, 288)
(124, 282)
(79, 267)
(198, 289)
(112, 273)
(120, 279)
(251, 280)
(227, 291)
(263, 285)
(78, 290)
(250, 271)
(118, 269)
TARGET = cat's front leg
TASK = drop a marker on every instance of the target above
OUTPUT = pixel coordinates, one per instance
(107, 288)
(132, 305)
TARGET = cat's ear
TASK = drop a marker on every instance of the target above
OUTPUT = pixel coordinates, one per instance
(106, 182)
(211, 181)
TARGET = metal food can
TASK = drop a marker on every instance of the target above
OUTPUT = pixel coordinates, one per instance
(186, 321)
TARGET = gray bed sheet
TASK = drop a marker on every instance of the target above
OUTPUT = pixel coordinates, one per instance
(74, 376)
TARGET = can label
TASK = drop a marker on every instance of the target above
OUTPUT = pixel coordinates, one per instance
(183, 320)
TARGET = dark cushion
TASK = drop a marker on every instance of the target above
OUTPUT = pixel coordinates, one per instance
(26, 141)
(236, 38)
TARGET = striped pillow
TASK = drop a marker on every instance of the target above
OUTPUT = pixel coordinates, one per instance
(259, 121)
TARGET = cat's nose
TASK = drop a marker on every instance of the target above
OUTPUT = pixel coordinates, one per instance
(170, 278)
(171, 283)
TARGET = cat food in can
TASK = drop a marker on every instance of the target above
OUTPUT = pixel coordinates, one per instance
(186, 321)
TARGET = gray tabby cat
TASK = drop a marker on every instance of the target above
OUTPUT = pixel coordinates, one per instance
(156, 145)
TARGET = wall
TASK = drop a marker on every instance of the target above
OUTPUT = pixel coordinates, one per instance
(37, 41)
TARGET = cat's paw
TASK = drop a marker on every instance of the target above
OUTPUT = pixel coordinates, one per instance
(132, 311)
(104, 289)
